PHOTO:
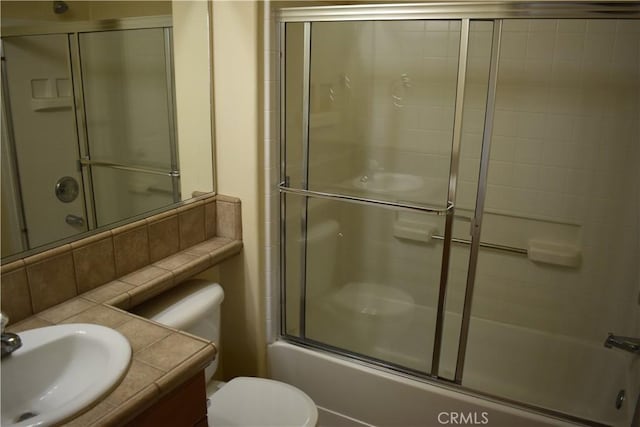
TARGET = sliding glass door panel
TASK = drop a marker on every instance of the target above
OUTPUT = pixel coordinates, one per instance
(41, 113)
(376, 128)
(371, 279)
(129, 97)
(564, 151)
(537, 253)
(380, 120)
(120, 194)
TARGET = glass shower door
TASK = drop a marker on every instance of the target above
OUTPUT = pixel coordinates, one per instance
(541, 272)
(557, 265)
(368, 136)
(133, 121)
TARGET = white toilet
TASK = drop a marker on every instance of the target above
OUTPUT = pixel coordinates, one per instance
(194, 307)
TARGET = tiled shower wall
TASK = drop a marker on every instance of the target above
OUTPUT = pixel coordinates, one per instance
(564, 147)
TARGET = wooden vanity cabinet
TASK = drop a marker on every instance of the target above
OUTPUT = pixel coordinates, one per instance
(185, 406)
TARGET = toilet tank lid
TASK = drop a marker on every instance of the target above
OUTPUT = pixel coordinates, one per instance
(183, 305)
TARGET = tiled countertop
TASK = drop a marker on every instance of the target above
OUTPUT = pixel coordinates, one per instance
(162, 358)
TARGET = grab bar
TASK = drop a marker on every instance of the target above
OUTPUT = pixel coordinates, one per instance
(632, 345)
(365, 201)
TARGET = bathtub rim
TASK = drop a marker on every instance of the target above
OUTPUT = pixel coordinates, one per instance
(327, 351)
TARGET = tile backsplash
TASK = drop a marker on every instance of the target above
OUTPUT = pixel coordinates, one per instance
(38, 282)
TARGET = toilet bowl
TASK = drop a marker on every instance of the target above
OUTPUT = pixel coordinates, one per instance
(194, 307)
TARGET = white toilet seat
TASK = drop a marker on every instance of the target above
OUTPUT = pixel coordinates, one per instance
(258, 402)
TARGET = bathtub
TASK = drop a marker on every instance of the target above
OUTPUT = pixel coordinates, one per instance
(549, 371)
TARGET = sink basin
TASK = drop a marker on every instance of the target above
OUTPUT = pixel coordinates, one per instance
(59, 371)
(388, 182)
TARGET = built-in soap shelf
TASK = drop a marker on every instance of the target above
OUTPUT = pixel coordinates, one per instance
(51, 104)
(542, 241)
(554, 253)
(51, 94)
(408, 228)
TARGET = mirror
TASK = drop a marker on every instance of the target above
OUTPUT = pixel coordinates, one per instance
(106, 115)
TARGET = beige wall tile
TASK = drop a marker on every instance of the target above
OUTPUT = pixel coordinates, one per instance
(141, 293)
(170, 351)
(164, 238)
(122, 301)
(228, 220)
(7, 268)
(131, 250)
(210, 218)
(229, 199)
(227, 251)
(16, 298)
(189, 270)
(100, 315)
(30, 323)
(51, 281)
(65, 310)
(141, 334)
(209, 246)
(139, 377)
(108, 291)
(94, 264)
(91, 239)
(175, 261)
(43, 256)
(188, 369)
(162, 215)
(130, 227)
(191, 224)
(146, 275)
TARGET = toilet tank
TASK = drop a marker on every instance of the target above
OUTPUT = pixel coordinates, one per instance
(193, 307)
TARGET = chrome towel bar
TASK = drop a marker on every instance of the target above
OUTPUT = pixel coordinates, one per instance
(130, 168)
(366, 201)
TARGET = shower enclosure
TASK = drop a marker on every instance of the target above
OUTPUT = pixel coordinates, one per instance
(88, 127)
(459, 196)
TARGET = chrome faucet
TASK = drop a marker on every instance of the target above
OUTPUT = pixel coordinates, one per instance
(632, 345)
(10, 341)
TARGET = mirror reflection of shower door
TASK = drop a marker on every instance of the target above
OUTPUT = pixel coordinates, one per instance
(381, 100)
(128, 97)
(40, 94)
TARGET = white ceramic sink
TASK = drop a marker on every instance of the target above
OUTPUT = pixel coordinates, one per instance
(59, 371)
(388, 182)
